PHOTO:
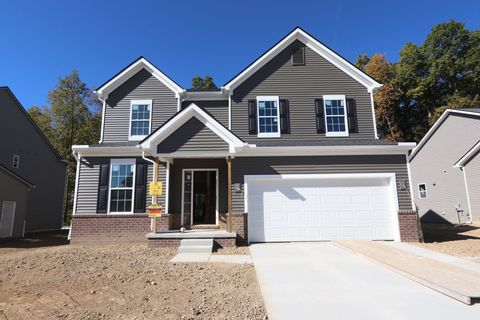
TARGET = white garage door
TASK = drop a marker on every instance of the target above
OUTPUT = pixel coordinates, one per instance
(310, 209)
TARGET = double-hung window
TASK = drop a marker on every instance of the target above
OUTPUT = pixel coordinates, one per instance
(422, 191)
(122, 177)
(268, 116)
(335, 116)
(140, 119)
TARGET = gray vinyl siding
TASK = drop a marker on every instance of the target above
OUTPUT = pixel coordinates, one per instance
(141, 86)
(39, 164)
(12, 189)
(433, 165)
(175, 204)
(472, 172)
(218, 109)
(192, 136)
(87, 193)
(300, 85)
(319, 165)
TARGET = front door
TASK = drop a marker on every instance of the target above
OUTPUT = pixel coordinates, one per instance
(200, 196)
(6, 219)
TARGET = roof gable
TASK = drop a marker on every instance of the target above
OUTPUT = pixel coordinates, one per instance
(33, 123)
(131, 70)
(315, 45)
(181, 118)
(438, 123)
(16, 176)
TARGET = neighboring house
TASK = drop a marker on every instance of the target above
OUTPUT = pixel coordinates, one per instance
(28, 162)
(288, 147)
(445, 169)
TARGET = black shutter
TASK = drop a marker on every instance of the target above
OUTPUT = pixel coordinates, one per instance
(352, 116)
(319, 115)
(140, 188)
(103, 181)
(252, 116)
(284, 116)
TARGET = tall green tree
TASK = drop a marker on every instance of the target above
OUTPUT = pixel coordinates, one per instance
(73, 117)
(203, 83)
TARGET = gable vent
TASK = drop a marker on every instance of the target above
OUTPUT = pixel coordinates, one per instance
(298, 56)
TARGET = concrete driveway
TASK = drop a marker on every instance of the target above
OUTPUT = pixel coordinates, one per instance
(322, 281)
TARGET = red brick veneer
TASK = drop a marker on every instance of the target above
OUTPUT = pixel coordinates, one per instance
(109, 228)
(239, 225)
(408, 226)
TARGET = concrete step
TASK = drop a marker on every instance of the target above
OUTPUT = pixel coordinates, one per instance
(195, 249)
(196, 242)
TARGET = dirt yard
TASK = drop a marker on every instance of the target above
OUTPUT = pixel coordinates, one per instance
(121, 282)
(462, 241)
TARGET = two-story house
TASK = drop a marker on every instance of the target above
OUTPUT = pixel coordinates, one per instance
(287, 150)
(32, 173)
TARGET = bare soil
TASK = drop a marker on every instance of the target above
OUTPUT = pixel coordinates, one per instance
(121, 282)
(462, 241)
(233, 250)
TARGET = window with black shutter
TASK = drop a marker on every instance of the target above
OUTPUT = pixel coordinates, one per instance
(103, 183)
(140, 187)
(284, 116)
(252, 116)
(319, 116)
(352, 115)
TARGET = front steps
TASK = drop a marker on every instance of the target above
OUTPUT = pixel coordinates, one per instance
(196, 246)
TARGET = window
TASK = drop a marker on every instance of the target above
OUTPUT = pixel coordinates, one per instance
(422, 191)
(140, 119)
(16, 161)
(335, 116)
(268, 117)
(122, 177)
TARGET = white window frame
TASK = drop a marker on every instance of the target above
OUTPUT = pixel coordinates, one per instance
(113, 162)
(419, 193)
(268, 134)
(16, 158)
(135, 102)
(335, 97)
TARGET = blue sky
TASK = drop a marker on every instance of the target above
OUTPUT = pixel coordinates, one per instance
(44, 40)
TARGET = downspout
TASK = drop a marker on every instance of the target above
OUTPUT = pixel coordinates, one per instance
(373, 114)
(103, 118)
(75, 193)
(468, 195)
(154, 165)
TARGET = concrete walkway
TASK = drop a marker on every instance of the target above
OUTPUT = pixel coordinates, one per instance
(446, 277)
(207, 257)
(322, 281)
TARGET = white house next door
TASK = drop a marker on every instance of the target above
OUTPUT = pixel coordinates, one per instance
(6, 220)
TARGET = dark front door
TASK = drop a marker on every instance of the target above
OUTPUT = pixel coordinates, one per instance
(204, 197)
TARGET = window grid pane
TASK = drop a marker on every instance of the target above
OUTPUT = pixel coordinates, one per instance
(268, 116)
(140, 125)
(335, 115)
(121, 188)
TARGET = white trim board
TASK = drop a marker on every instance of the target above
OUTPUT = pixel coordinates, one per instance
(315, 45)
(436, 125)
(131, 70)
(181, 118)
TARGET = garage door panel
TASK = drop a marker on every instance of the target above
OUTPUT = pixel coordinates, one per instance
(306, 210)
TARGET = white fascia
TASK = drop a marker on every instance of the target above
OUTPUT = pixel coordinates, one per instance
(251, 151)
(126, 74)
(436, 125)
(463, 160)
(186, 114)
(315, 45)
(87, 151)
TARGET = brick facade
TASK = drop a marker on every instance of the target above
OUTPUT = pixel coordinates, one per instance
(408, 224)
(239, 225)
(109, 228)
